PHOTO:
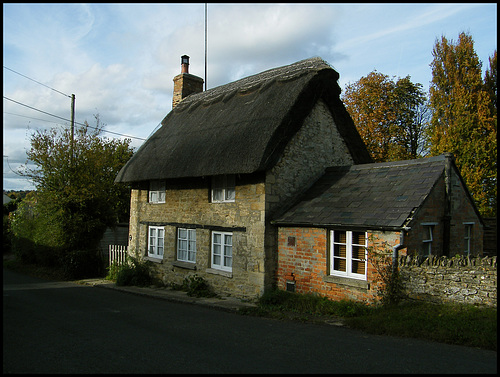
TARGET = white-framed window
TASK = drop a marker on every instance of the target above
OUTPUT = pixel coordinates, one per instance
(348, 254)
(186, 245)
(222, 251)
(468, 237)
(156, 239)
(427, 238)
(223, 188)
(157, 191)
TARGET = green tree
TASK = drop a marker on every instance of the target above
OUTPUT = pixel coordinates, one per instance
(390, 115)
(464, 116)
(76, 193)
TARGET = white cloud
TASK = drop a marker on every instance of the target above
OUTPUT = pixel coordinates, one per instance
(119, 59)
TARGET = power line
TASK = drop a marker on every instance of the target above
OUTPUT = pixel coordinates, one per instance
(67, 120)
(29, 78)
(25, 116)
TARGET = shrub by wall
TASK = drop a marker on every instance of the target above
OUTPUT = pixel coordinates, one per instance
(458, 279)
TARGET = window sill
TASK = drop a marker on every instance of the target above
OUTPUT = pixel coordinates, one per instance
(363, 284)
(154, 260)
(182, 264)
(214, 271)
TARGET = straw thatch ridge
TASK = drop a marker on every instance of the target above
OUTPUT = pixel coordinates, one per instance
(241, 127)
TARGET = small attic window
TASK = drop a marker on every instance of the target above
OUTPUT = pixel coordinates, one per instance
(223, 188)
(157, 191)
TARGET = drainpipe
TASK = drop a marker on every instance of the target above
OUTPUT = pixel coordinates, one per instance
(398, 247)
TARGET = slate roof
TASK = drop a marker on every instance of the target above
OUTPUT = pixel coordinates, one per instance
(242, 127)
(369, 196)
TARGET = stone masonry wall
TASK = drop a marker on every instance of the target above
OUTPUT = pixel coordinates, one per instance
(188, 205)
(316, 146)
(458, 279)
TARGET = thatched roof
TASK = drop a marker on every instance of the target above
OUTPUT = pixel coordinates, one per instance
(241, 127)
(369, 196)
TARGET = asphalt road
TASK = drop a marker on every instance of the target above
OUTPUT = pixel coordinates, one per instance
(61, 327)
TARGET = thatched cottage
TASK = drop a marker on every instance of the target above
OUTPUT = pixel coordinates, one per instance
(212, 186)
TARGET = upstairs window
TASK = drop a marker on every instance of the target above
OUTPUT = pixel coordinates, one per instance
(157, 191)
(223, 188)
(427, 238)
(348, 254)
(468, 238)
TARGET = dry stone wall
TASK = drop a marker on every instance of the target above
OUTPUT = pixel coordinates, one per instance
(458, 279)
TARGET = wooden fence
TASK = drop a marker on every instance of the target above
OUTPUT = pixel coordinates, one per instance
(117, 254)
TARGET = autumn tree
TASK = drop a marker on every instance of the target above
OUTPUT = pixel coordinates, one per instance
(390, 115)
(464, 116)
(76, 193)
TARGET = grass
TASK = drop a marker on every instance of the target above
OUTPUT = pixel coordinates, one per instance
(460, 324)
(466, 325)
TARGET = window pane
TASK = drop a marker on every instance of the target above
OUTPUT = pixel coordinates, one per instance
(358, 252)
(228, 261)
(183, 245)
(358, 267)
(339, 264)
(230, 193)
(340, 237)
(228, 251)
(161, 196)
(217, 249)
(339, 251)
(217, 238)
(358, 238)
(216, 260)
(182, 233)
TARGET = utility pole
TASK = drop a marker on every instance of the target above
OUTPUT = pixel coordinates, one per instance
(205, 46)
(72, 126)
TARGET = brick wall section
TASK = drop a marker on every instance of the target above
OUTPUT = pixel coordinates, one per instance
(304, 259)
(458, 279)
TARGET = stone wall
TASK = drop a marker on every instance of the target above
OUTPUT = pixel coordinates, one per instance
(458, 279)
(187, 205)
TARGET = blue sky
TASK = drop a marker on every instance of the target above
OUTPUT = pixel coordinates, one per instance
(119, 59)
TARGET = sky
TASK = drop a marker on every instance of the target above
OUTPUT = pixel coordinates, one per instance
(119, 60)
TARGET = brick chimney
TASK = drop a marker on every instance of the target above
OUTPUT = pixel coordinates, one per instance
(185, 83)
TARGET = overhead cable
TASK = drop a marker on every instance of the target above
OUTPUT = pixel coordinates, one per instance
(38, 82)
(67, 120)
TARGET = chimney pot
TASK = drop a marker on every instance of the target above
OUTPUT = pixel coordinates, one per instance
(184, 64)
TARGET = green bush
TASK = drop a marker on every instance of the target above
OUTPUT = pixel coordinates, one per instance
(134, 273)
(196, 286)
(79, 264)
(113, 270)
